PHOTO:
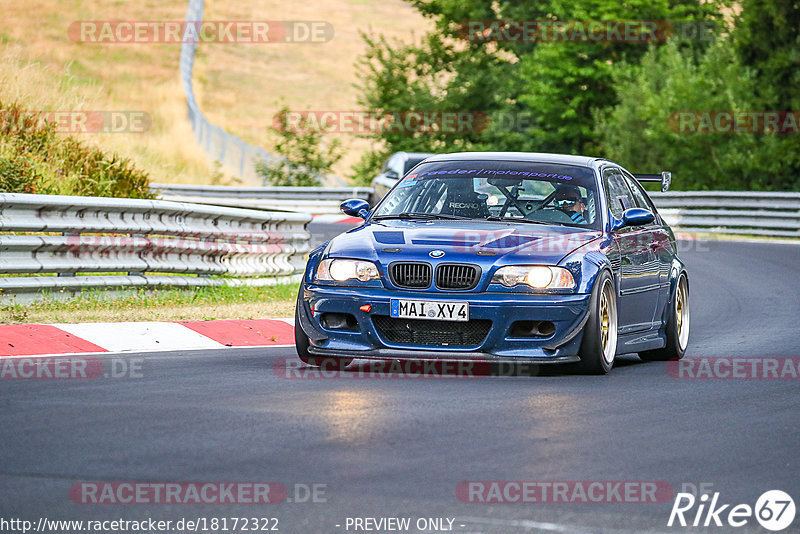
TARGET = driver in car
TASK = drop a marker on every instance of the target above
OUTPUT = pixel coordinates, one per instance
(568, 199)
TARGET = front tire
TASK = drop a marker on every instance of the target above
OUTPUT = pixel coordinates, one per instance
(599, 345)
(302, 342)
(677, 331)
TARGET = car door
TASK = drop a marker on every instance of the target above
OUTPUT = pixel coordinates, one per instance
(638, 281)
(660, 242)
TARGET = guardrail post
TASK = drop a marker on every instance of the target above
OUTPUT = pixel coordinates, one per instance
(69, 234)
(136, 273)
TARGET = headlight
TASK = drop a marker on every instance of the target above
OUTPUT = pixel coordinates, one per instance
(339, 270)
(535, 276)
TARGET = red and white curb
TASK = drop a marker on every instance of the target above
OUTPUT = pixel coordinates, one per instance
(88, 338)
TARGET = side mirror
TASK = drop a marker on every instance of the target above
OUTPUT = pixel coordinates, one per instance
(355, 207)
(392, 175)
(633, 217)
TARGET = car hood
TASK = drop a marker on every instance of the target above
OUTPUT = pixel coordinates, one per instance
(485, 243)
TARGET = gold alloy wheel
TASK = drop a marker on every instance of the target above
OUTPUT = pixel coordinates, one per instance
(682, 312)
(608, 323)
(604, 321)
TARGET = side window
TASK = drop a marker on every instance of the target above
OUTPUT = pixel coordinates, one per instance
(617, 193)
(638, 195)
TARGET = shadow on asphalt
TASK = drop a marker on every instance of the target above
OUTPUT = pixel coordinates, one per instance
(423, 369)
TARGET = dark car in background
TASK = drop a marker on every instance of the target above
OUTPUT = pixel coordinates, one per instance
(395, 168)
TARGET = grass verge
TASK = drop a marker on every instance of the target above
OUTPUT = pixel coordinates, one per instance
(198, 304)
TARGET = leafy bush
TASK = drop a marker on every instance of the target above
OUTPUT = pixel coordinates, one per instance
(641, 131)
(35, 158)
(18, 175)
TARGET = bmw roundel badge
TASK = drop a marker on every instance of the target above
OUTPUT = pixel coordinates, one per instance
(436, 253)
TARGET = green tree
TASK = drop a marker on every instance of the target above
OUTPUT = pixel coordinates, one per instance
(645, 134)
(753, 68)
(538, 96)
(302, 157)
(767, 41)
(566, 83)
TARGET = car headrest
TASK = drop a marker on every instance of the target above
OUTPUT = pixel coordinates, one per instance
(465, 203)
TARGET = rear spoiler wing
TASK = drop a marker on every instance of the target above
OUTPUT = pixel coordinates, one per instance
(665, 179)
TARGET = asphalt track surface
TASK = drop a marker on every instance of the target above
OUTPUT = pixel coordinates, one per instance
(400, 447)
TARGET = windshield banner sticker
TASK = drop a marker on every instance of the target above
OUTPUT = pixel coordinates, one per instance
(479, 172)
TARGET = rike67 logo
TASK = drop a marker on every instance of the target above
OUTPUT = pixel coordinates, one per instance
(774, 510)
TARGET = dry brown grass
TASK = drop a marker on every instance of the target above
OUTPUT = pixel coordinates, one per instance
(239, 86)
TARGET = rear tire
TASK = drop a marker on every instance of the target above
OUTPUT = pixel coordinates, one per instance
(677, 330)
(302, 342)
(599, 345)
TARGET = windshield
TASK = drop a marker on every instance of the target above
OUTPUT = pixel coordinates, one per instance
(507, 190)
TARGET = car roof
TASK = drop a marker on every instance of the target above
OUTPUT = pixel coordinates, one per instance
(415, 154)
(537, 157)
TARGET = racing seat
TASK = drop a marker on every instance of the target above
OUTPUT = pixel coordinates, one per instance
(465, 203)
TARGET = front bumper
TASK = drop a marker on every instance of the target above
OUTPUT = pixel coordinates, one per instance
(568, 313)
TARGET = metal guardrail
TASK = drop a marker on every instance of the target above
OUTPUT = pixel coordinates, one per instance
(155, 243)
(230, 150)
(278, 193)
(317, 200)
(731, 212)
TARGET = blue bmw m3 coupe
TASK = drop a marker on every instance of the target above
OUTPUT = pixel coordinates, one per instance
(507, 257)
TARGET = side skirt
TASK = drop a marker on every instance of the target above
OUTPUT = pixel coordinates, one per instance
(640, 341)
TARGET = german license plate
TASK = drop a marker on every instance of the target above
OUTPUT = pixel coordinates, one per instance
(429, 309)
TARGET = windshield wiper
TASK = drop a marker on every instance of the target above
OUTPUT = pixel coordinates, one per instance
(419, 216)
